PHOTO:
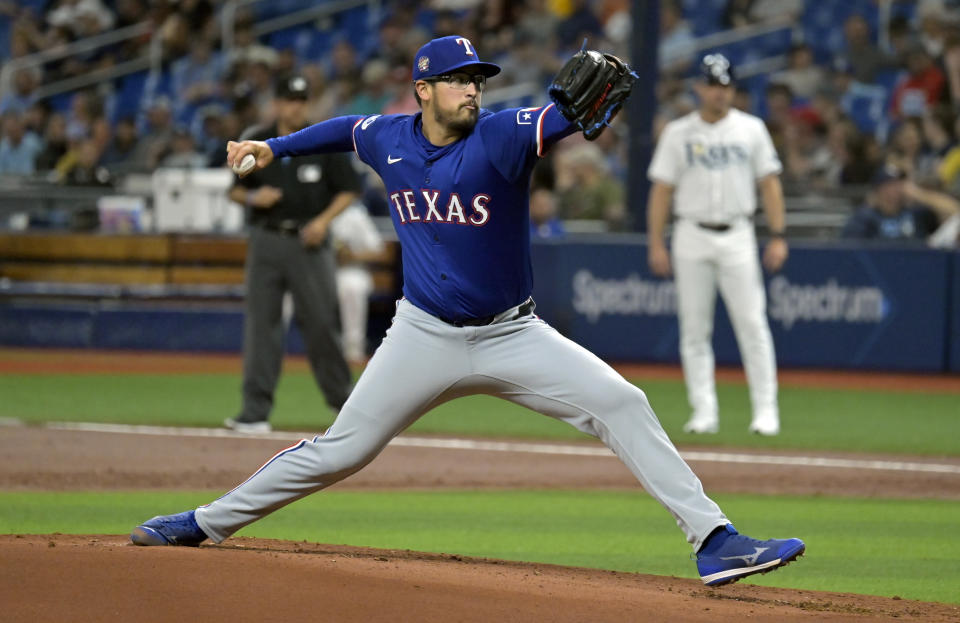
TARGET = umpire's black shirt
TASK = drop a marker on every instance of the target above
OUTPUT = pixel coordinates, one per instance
(308, 183)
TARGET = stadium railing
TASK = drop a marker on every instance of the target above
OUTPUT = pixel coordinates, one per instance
(150, 60)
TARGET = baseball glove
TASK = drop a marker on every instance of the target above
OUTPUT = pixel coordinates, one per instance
(590, 89)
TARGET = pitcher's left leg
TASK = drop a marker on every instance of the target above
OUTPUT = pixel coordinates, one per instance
(538, 368)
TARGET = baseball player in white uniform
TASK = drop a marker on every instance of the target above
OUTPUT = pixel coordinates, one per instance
(708, 164)
(355, 232)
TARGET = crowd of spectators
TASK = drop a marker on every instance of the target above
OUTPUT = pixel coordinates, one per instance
(876, 124)
(208, 95)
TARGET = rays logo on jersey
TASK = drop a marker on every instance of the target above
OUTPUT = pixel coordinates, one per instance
(426, 206)
(715, 156)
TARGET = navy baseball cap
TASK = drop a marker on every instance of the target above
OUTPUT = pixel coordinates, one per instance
(887, 173)
(449, 54)
(292, 88)
(716, 69)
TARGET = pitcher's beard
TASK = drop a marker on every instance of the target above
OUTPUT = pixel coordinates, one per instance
(460, 124)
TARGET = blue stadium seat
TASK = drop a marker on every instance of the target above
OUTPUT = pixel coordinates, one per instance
(157, 85)
(757, 86)
(867, 106)
(822, 24)
(888, 78)
(907, 10)
(320, 43)
(704, 16)
(4, 37)
(287, 38)
(307, 42)
(37, 6)
(274, 8)
(738, 51)
(425, 18)
(353, 25)
(60, 103)
(128, 93)
(774, 43)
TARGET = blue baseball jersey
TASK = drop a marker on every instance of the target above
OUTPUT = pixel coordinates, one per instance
(461, 211)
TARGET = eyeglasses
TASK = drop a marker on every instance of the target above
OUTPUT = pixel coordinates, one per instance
(460, 81)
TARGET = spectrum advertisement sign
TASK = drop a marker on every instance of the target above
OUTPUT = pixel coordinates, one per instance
(829, 307)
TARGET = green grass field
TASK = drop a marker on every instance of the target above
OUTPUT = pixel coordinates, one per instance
(878, 547)
(882, 547)
(825, 419)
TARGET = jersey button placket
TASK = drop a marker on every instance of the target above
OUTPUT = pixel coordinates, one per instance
(716, 195)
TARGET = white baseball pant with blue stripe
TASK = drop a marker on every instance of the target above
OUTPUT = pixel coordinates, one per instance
(424, 362)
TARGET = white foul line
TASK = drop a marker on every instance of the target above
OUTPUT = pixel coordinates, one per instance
(529, 448)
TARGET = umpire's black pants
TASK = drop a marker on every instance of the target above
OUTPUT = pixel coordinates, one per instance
(278, 263)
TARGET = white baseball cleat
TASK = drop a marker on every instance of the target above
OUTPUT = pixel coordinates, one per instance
(702, 425)
(248, 428)
(766, 426)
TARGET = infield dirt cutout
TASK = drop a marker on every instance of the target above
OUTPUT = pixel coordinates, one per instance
(104, 578)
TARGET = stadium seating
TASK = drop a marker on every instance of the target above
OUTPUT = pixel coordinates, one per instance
(705, 16)
(172, 260)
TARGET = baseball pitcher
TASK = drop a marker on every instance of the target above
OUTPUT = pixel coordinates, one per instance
(458, 179)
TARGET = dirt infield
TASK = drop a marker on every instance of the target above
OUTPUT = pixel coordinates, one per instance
(103, 578)
(78, 460)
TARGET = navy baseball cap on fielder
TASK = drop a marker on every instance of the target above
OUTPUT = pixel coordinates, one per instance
(447, 55)
(292, 88)
(716, 69)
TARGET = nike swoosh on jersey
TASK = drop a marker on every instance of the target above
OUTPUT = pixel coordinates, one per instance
(393, 160)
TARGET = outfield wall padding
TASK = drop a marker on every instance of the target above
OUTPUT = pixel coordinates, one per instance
(832, 306)
(953, 314)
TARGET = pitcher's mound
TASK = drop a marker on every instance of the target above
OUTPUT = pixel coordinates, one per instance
(104, 578)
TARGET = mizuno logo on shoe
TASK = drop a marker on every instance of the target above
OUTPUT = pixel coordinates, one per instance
(391, 160)
(750, 559)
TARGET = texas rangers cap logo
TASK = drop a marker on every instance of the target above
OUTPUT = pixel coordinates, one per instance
(448, 55)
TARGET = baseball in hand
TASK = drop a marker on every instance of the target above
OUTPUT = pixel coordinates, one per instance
(246, 165)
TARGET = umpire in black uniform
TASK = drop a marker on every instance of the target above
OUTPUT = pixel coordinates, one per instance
(290, 205)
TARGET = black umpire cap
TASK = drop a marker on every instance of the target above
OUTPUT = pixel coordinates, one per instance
(292, 88)
(716, 69)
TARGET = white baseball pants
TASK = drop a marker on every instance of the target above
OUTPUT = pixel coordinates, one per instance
(705, 261)
(354, 286)
(424, 362)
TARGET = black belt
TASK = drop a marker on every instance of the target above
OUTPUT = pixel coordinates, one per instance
(524, 309)
(715, 226)
(286, 228)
